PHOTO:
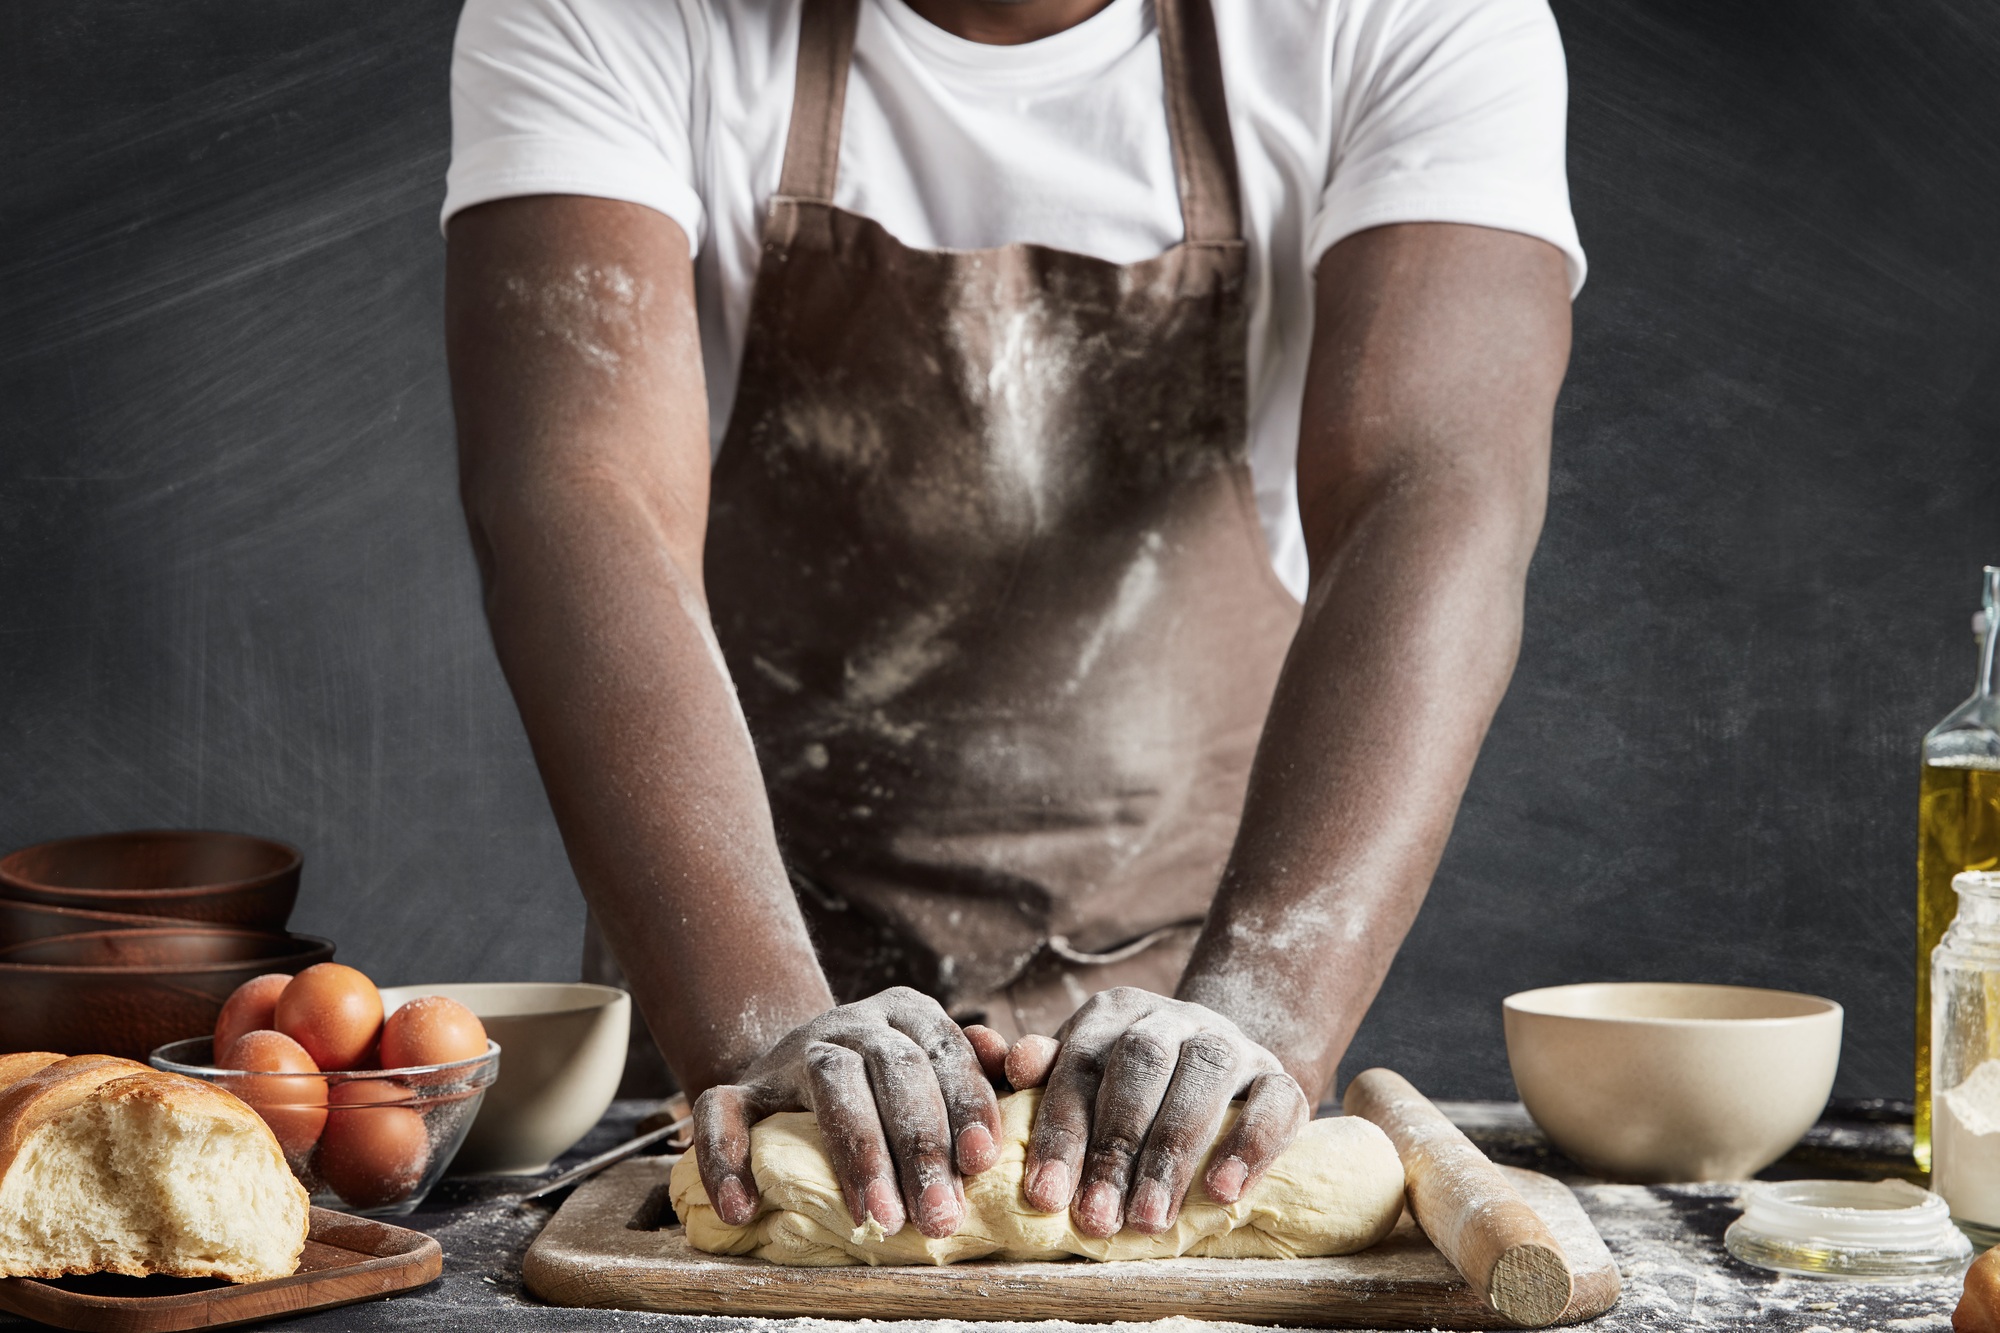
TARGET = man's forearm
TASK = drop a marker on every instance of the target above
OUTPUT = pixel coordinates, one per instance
(584, 468)
(1438, 351)
(652, 777)
(1404, 650)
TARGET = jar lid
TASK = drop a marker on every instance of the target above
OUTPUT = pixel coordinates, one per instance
(1859, 1230)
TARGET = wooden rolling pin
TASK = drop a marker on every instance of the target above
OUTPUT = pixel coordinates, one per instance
(1467, 1208)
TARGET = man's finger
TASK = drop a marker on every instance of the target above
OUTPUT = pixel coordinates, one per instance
(1136, 1077)
(1189, 1115)
(722, 1119)
(990, 1047)
(844, 1104)
(971, 1108)
(1274, 1111)
(1054, 1166)
(1029, 1063)
(914, 1119)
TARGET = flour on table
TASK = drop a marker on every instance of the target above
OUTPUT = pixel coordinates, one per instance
(1336, 1190)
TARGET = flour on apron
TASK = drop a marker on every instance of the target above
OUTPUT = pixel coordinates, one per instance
(985, 565)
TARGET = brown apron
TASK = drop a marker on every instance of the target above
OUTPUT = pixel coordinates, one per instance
(985, 562)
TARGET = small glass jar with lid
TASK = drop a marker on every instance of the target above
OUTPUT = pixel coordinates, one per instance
(1965, 1059)
(1860, 1231)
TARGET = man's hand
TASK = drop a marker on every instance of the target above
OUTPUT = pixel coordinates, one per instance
(901, 1098)
(1135, 1096)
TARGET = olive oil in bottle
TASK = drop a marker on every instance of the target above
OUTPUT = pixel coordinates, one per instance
(1958, 828)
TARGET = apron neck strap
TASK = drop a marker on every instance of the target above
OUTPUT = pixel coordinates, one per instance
(1198, 121)
(1197, 111)
(819, 94)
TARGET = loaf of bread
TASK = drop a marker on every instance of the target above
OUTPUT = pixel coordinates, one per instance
(107, 1166)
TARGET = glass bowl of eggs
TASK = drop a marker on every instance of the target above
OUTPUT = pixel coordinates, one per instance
(368, 1107)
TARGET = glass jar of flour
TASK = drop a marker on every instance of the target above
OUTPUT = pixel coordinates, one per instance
(1965, 1059)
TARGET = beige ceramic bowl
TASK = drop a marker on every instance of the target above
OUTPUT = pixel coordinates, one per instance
(562, 1052)
(1656, 1081)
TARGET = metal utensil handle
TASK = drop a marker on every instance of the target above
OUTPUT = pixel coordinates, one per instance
(604, 1159)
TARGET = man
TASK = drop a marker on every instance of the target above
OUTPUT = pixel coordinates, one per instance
(1101, 446)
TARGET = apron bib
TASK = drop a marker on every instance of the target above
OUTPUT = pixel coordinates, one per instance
(985, 563)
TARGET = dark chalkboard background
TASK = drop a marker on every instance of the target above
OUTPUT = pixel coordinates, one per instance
(235, 589)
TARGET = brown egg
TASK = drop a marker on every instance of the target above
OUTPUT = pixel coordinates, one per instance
(334, 1012)
(431, 1030)
(249, 1007)
(292, 1100)
(373, 1151)
(1979, 1304)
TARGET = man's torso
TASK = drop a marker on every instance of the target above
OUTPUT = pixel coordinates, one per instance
(1338, 112)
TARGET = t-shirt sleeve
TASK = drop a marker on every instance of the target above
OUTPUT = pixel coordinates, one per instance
(592, 97)
(1455, 111)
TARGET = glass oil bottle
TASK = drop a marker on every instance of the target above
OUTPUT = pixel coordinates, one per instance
(1958, 827)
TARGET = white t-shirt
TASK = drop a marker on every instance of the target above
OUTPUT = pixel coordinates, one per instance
(1347, 114)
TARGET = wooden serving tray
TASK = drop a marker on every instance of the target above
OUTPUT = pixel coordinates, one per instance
(347, 1259)
(607, 1249)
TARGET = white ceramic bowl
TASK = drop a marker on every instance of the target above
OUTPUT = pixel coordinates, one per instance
(564, 1047)
(1658, 1081)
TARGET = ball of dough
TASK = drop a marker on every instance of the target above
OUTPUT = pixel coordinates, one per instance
(1337, 1189)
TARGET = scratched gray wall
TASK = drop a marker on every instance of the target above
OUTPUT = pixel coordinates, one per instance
(234, 588)
(234, 578)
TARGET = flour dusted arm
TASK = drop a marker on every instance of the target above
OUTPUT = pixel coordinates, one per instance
(1423, 466)
(1422, 473)
(584, 459)
(1440, 335)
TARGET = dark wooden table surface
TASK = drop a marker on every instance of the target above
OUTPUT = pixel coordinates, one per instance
(1667, 1240)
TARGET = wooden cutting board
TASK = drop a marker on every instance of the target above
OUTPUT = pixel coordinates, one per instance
(607, 1249)
(347, 1259)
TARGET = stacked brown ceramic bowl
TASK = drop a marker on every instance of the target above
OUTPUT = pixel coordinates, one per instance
(119, 942)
